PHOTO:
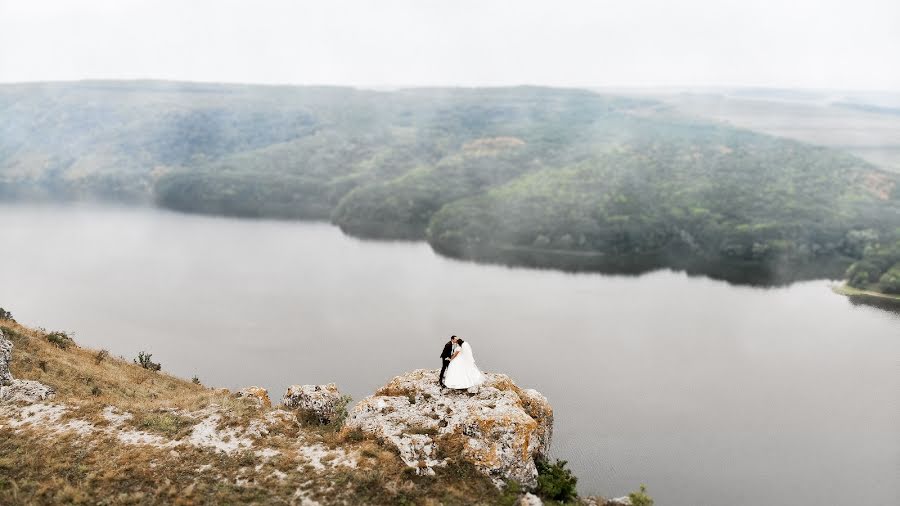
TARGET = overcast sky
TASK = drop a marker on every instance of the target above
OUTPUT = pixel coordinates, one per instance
(783, 43)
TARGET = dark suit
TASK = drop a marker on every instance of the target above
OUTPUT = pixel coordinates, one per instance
(448, 350)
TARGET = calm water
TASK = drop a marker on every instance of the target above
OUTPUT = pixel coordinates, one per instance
(709, 393)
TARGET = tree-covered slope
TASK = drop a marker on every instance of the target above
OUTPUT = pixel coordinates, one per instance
(543, 177)
(879, 267)
(706, 198)
(113, 140)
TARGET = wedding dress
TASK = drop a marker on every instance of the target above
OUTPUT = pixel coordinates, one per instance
(462, 371)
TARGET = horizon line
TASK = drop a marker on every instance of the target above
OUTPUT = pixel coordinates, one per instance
(382, 87)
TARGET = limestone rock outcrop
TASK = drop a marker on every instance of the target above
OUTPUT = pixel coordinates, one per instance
(530, 499)
(27, 391)
(325, 402)
(6, 347)
(498, 427)
(13, 390)
(258, 395)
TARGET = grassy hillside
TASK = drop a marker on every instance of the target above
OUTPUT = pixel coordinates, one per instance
(535, 176)
(116, 433)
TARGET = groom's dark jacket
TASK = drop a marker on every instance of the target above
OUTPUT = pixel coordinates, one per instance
(448, 350)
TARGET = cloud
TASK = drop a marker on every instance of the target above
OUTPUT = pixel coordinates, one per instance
(803, 43)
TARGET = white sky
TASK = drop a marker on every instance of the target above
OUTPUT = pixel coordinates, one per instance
(784, 43)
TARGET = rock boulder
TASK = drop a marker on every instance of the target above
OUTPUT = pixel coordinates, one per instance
(258, 395)
(6, 347)
(498, 427)
(25, 391)
(325, 402)
(530, 499)
(13, 390)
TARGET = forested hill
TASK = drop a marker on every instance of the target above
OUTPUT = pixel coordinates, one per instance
(544, 177)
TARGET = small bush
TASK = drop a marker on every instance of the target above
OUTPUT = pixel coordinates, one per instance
(421, 429)
(101, 356)
(143, 360)
(168, 424)
(461, 469)
(511, 494)
(332, 421)
(5, 315)
(555, 482)
(354, 436)
(195, 380)
(60, 339)
(640, 498)
(95, 391)
(42, 365)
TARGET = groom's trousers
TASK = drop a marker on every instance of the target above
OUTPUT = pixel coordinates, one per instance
(444, 364)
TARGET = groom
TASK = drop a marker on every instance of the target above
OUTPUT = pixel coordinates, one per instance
(445, 358)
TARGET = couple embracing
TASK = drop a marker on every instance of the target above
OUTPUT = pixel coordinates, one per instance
(458, 369)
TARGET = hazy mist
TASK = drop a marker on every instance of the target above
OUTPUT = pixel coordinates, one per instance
(221, 226)
(805, 43)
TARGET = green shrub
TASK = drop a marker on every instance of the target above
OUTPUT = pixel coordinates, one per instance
(555, 482)
(143, 359)
(5, 315)
(511, 493)
(60, 339)
(640, 498)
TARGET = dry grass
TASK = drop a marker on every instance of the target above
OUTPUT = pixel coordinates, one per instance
(35, 468)
(41, 466)
(74, 372)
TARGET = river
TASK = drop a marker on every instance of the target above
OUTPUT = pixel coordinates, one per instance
(709, 393)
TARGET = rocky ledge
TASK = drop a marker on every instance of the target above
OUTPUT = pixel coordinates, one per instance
(17, 390)
(308, 449)
(498, 427)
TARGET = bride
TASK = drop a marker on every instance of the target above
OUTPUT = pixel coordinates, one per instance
(462, 371)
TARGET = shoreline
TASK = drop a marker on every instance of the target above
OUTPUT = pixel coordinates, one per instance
(843, 289)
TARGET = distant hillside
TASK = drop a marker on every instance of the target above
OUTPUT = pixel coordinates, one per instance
(544, 177)
(863, 124)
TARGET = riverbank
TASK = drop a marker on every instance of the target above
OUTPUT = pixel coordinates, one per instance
(844, 289)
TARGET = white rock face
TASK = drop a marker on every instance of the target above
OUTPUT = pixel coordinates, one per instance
(530, 499)
(13, 390)
(25, 391)
(325, 401)
(6, 347)
(258, 395)
(499, 428)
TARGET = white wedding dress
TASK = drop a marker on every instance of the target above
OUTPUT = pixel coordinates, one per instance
(462, 371)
